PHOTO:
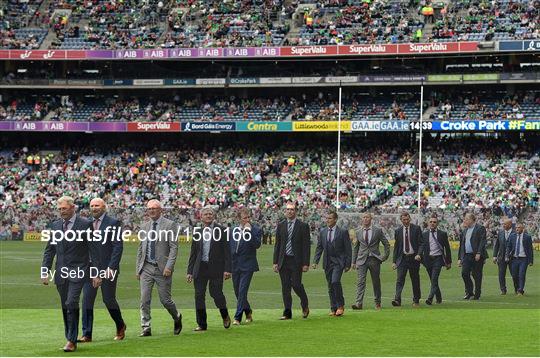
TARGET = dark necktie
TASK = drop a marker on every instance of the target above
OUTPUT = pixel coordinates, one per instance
(366, 236)
(152, 246)
(65, 225)
(407, 243)
(288, 246)
(329, 237)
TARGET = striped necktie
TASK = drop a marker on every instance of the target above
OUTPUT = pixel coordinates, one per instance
(288, 246)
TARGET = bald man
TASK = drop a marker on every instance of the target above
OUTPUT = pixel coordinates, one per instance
(156, 257)
(110, 247)
(499, 250)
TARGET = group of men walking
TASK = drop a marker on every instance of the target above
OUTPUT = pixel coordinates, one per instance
(216, 257)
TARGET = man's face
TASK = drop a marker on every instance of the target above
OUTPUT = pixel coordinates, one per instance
(433, 224)
(468, 221)
(520, 228)
(330, 220)
(507, 225)
(66, 210)
(207, 217)
(290, 211)
(244, 218)
(405, 220)
(154, 211)
(366, 220)
(97, 208)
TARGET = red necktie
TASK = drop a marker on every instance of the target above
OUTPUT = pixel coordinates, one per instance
(407, 243)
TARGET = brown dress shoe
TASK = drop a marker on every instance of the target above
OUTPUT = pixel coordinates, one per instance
(70, 346)
(84, 339)
(332, 313)
(305, 313)
(226, 322)
(339, 311)
(236, 322)
(249, 317)
(378, 306)
(121, 333)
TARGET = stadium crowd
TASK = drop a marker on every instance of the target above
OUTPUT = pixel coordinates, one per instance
(492, 180)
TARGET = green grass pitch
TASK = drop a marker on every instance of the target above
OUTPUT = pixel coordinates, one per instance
(31, 322)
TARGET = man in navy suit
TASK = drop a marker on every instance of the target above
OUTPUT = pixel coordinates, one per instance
(246, 240)
(499, 251)
(72, 256)
(519, 252)
(335, 243)
(407, 240)
(472, 256)
(435, 253)
(110, 248)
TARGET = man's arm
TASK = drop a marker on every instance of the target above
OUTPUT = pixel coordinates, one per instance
(306, 245)
(496, 246)
(277, 246)
(173, 247)
(117, 249)
(386, 245)
(348, 249)
(318, 250)
(446, 244)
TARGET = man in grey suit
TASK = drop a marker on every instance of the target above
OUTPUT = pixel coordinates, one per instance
(472, 256)
(156, 257)
(335, 243)
(366, 256)
(499, 249)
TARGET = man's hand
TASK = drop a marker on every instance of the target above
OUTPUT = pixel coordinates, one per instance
(314, 266)
(530, 264)
(96, 282)
(394, 266)
(353, 266)
(459, 263)
(417, 258)
(45, 281)
(138, 277)
(226, 275)
(275, 268)
(305, 268)
(109, 273)
(347, 268)
(477, 257)
(494, 260)
(167, 272)
(189, 278)
(449, 266)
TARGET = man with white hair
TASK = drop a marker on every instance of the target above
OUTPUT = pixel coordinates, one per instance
(71, 256)
(499, 251)
(110, 248)
(156, 257)
(472, 255)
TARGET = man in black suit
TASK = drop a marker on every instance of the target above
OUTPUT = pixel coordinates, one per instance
(291, 259)
(435, 253)
(499, 251)
(209, 264)
(335, 243)
(110, 248)
(472, 255)
(72, 267)
(407, 240)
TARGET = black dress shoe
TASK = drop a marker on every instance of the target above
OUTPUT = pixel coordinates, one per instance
(396, 303)
(439, 301)
(467, 297)
(475, 298)
(305, 313)
(227, 322)
(429, 302)
(178, 325)
(285, 318)
(356, 307)
(146, 333)
(199, 329)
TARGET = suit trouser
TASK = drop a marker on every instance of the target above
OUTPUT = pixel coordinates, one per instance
(108, 292)
(518, 269)
(241, 282)
(374, 266)
(335, 290)
(434, 266)
(502, 264)
(149, 276)
(408, 263)
(291, 277)
(215, 285)
(469, 266)
(70, 293)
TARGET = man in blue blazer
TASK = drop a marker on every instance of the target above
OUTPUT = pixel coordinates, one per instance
(499, 251)
(110, 247)
(246, 240)
(72, 267)
(336, 245)
(519, 252)
(472, 255)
